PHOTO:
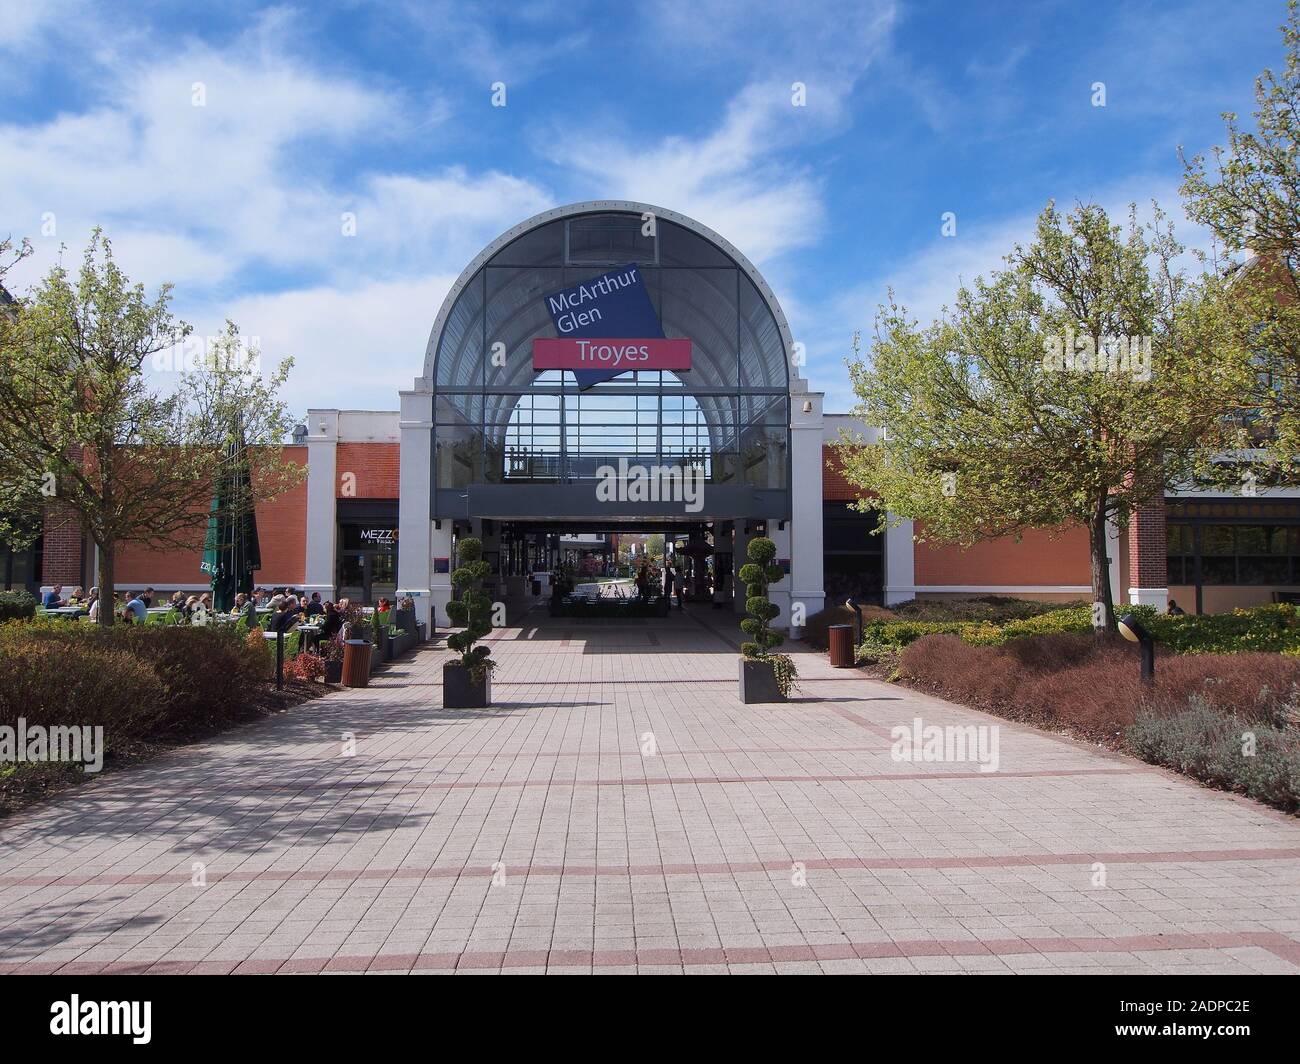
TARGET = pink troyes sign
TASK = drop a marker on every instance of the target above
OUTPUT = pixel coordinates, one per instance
(611, 355)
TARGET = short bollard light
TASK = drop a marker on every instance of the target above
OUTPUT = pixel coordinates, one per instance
(853, 604)
(1131, 629)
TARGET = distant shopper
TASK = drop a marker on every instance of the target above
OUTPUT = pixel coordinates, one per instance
(669, 579)
(136, 610)
(1175, 610)
(681, 589)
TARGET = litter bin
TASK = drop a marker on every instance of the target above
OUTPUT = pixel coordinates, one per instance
(356, 663)
(841, 645)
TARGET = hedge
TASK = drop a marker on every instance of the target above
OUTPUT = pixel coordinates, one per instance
(17, 606)
(199, 678)
(1273, 629)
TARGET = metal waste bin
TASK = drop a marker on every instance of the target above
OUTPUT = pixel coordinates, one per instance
(841, 645)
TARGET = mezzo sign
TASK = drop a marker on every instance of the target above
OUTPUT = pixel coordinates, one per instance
(384, 537)
(605, 326)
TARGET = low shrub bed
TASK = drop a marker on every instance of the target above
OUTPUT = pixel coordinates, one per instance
(1092, 688)
(1269, 629)
(146, 685)
(1253, 757)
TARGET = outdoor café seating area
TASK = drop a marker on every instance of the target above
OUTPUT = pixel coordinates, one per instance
(304, 623)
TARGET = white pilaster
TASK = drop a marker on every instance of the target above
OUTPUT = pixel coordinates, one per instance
(414, 567)
(1149, 596)
(440, 583)
(322, 493)
(807, 559)
(900, 564)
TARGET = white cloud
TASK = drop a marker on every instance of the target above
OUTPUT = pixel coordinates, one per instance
(352, 347)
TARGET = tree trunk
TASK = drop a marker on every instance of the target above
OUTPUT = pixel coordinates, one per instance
(106, 595)
(1103, 608)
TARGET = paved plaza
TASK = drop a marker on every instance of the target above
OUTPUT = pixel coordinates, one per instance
(619, 810)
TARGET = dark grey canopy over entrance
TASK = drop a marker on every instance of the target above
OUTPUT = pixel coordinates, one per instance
(509, 442)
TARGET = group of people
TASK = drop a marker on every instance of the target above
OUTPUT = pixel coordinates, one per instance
(674, 584)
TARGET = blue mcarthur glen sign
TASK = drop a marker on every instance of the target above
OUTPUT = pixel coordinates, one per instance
(614, 305)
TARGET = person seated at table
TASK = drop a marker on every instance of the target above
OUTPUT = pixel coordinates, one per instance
(53, 598)
(286, 618)
(146, 596)
(333, 621)
(314, 607)
(205, 600)
(92, 604)
(77, 598)
(187, 607)
(136, 610)
(177, 601)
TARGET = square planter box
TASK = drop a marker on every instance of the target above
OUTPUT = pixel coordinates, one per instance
(460, 692)
(758, 682)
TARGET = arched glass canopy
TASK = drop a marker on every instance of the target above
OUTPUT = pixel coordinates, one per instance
(498, 423)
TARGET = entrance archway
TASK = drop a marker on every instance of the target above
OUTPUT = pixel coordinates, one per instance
(510, 422)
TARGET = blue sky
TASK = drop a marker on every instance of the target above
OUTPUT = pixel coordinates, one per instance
(384, 110)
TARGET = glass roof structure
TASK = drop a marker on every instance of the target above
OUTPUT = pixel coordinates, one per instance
(504, 431)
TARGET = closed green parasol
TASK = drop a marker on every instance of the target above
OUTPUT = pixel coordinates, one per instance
(231, 553)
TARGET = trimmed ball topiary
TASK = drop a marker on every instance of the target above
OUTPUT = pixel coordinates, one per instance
(760, 572)
(472, 612)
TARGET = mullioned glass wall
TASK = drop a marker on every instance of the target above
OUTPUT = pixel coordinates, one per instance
(496, 422)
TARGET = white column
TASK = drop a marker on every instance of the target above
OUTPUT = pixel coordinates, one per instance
(440, 583)
(1112, 552)
(415, 459)
(322, 493)
(807, 558)
(900, 564)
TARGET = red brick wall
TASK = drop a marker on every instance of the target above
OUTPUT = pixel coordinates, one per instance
(375, 466)
(1036, 559)
(834, 487)
(61, 558)
(281, 533)
(1147, 565)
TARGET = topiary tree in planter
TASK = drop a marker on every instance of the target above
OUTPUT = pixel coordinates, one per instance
(764, 676)
(466, 683)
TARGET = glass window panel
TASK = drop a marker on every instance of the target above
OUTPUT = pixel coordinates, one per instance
(700, 305)
(1218, 539)
(610, 239)
(679, 246)
(460, 361)
(1262, 570)
(762, 351)
(543, 246)
(1218, 570)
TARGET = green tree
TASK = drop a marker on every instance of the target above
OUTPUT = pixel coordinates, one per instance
(1067, 390)
(1249, 197)
(473, 610)
(83, 423)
